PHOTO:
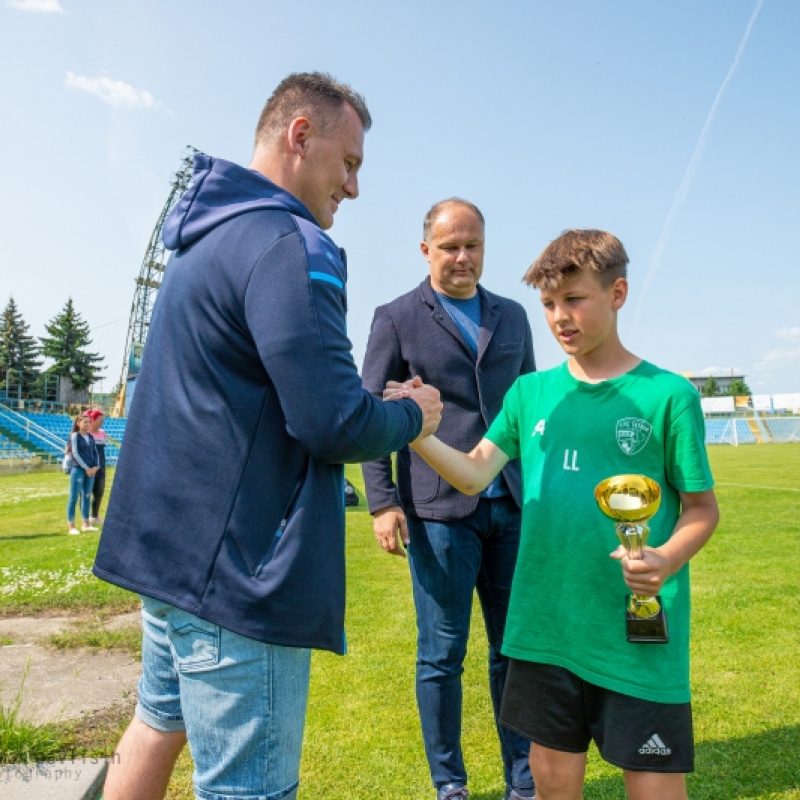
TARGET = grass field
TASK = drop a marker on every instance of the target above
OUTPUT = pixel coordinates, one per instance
(362, 734)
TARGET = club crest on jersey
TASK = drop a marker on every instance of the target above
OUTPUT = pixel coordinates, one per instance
(633, 434)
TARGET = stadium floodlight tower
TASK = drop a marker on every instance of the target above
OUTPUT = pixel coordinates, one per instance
(147, 286)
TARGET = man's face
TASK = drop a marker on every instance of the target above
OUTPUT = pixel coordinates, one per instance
(329, 169)
(455, 251)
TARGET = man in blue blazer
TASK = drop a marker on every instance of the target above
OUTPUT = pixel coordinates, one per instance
(472, 345)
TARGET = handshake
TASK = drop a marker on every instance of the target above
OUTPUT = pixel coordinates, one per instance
(424, 395)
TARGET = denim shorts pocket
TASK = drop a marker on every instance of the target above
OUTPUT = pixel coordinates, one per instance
(194, 642)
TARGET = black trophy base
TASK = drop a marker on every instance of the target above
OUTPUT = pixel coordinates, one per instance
(651, 630)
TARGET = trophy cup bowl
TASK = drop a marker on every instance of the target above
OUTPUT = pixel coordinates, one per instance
(631, 500)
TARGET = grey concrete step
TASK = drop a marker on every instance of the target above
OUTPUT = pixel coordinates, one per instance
(73, 779)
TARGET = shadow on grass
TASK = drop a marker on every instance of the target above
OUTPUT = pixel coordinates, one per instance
(763, 764)
(32, 536)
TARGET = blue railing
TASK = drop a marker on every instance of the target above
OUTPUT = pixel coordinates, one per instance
(39, 437)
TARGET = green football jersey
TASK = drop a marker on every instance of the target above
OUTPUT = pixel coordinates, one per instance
(568, 597)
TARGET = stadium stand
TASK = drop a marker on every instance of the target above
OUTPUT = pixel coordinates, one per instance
(12, 450)
(60, 425)
(728, 431)
(784, 429)
(48, 433)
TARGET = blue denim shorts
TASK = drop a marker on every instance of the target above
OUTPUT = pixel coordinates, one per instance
(241, 702)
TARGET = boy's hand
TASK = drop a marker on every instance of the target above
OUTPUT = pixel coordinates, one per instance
(645, 575)
(699, 516)
(424, 395)
(396, 391)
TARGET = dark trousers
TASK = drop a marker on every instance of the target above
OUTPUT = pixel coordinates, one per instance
(449, 561)
(97, 492)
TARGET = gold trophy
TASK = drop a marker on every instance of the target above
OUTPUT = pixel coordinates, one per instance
(631, 500)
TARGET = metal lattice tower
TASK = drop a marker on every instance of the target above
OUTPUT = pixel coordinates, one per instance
(149, 280)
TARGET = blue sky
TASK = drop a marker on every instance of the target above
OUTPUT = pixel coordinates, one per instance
(673, 124)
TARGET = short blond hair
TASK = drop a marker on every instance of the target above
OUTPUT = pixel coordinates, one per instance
(315, 95)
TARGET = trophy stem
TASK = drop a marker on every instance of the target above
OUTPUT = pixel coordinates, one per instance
(633, 536)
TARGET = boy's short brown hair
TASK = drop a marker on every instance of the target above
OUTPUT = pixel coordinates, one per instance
(578, 251)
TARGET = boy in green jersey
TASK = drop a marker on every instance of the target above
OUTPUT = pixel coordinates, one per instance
(574, 676)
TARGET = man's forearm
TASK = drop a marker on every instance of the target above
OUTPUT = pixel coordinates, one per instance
(379, 484)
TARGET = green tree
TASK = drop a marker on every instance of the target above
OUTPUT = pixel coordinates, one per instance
(738, 388)
(710, 388)
(18, 351)
(67, 345)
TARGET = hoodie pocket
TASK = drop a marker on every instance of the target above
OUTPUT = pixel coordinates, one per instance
(273, 545)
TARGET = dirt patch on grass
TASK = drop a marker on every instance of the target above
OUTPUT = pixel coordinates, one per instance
(98, 734)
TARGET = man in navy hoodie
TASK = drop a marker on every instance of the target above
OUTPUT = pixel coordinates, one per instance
(229, 519)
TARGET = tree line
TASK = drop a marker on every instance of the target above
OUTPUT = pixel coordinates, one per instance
(735, 388)
(66, 344)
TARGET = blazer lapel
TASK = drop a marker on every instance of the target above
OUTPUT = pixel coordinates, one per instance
(490, 316)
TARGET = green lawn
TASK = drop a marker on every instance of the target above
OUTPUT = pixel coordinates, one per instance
(41, 568)
(362, 735)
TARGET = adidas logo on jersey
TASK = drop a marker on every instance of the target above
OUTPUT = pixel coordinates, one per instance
(655, 747)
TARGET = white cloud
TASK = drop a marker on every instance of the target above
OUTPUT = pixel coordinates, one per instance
(789, 334)
(38, 6)
(115, 93)
(782, 359)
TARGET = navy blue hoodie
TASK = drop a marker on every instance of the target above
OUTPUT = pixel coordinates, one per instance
(228, 499)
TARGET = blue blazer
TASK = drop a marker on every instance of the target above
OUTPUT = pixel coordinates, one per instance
(414, 335)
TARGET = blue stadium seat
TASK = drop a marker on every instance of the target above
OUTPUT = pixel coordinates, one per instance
(721, 431)
(60, 425)
(784, 429)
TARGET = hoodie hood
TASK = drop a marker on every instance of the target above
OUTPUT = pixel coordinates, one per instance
(222, 190)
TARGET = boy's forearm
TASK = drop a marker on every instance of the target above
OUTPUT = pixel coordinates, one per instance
(470, 473)
(698, 519)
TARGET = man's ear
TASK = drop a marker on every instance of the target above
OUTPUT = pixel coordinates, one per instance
(298, 134)
(424, 249)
